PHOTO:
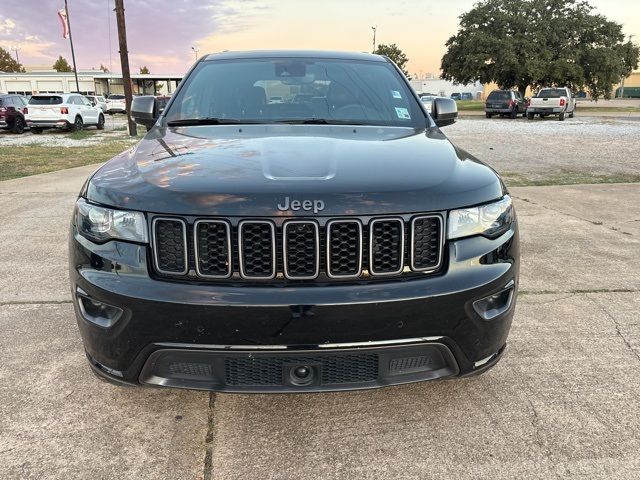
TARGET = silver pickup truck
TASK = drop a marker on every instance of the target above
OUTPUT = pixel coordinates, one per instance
(552, 101)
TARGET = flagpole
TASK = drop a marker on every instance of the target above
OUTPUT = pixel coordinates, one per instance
(73, 54)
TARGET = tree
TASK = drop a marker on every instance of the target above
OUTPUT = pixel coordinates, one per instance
(395, 54)
(144, 70)
(62, 65)
(104, 69)
(521, 43)
(7, 62)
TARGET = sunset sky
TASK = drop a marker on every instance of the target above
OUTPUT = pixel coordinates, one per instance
(162, 32)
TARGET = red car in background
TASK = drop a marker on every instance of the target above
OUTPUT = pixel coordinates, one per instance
(12, 110)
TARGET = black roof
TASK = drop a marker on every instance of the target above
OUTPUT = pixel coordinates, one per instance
(227, 55)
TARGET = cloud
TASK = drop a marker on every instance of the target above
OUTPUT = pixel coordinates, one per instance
(160, 33)
(6, 26)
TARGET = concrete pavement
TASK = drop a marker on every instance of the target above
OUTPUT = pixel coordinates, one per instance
(563, 403)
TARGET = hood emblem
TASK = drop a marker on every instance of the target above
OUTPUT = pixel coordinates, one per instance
(308, 205)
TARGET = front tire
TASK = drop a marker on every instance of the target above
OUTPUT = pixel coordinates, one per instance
(18, 125)
(77, 124)
(530, 116)
(513, 114)
(488, 115)
(571, 114)
(100, 125)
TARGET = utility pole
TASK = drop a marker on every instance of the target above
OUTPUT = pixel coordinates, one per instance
(374, 28)
(73, 53)
(195, 50)
(124, 61)
(15, 48)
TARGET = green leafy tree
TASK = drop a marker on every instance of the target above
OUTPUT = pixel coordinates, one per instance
(395, 54)
(62, 65)
(8, 63)
(144, 70)
(521, 43)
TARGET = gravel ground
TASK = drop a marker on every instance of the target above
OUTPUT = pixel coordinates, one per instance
(114, 125)
(578, 150)
(550, 151)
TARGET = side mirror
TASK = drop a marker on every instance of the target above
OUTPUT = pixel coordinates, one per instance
(444, 111)
(143, 110)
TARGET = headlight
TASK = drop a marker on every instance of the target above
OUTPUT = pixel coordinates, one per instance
(489, 220)
(101, 224)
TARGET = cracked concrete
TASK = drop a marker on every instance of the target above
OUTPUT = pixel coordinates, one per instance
(563, 402)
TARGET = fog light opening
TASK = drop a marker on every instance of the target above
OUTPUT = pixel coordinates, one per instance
(97, 312)
(494, 305)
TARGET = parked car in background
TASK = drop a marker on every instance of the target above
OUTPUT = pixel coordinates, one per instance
(116, 104)
(12, 111)
(98, 101)
(161, 102)
(505, 102)
(466, 96)
(427, 101)
(67, 111)
(456, 96)
(275, 100)
(552, 101)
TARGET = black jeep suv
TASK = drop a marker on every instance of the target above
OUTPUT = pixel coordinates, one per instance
(331, 240)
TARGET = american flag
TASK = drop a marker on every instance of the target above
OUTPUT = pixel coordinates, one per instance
(65, 24)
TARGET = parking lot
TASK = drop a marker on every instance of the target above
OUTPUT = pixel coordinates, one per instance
(563, 403)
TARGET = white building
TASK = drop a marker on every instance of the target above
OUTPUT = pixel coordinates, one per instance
(445, 88)
(90, 83)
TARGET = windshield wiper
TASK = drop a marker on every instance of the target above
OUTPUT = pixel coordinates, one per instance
(317, 121)
(185, 122)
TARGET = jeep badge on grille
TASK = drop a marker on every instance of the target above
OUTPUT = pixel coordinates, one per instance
(308, 205)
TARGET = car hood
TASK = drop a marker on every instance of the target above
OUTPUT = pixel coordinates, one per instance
(249, 169)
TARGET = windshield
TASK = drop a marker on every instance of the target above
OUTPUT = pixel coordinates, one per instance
(275, 90)
(552, 93)
(499, 95)
(45, 100)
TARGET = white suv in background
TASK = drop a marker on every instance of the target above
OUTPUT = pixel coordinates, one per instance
(68, 111)
(98, 101)
(116, 103)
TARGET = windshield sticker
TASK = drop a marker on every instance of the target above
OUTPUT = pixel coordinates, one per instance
(396, 94)
(403, 113)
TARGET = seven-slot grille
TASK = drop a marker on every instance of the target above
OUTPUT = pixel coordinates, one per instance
(297, 249)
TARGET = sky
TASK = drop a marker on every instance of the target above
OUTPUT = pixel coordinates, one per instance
(161, 33)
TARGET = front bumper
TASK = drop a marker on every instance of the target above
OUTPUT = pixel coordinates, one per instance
(249, 338)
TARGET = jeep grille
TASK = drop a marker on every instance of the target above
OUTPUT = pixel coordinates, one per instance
(295, 249)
